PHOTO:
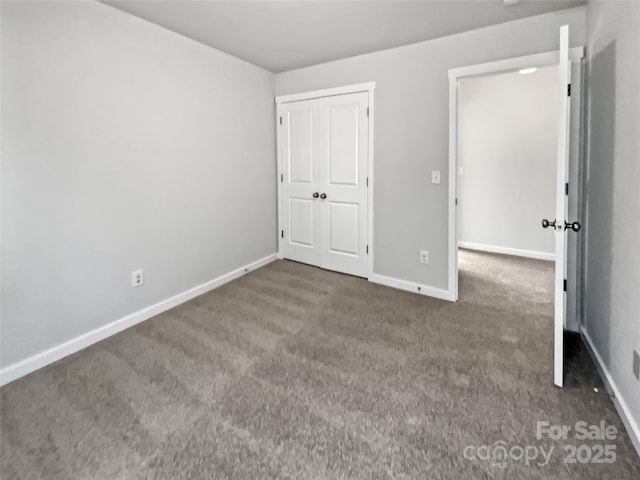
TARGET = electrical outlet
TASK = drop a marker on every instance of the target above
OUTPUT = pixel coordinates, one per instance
(137, 278)
(636, 364)
(424, 256)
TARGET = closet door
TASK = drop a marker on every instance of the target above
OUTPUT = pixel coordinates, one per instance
(343, 134)
(301, 181)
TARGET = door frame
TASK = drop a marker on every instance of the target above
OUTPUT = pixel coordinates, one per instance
(280, 100)
(538, 60)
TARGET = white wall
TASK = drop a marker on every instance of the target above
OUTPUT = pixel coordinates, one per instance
(507, 137)
(124, 146)
(411, 129)
(612, 270)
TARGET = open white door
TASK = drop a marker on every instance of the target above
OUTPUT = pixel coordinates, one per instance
(560, 223)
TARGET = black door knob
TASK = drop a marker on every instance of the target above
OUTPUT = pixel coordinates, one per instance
(575, 226)
(316, 194)
(546, 223)
(323, 196)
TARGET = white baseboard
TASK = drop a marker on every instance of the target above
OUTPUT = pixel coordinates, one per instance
(39, 360)
(412, 287)
(508, 251)
(633, 429)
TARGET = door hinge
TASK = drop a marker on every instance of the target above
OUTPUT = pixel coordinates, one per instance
(566, 188)
(568, 90)
(367, 111)
(281, 178)
(456, 201)
(367, 249)
(281, 233)
(565, 285)
(280, 120)
(367, 181)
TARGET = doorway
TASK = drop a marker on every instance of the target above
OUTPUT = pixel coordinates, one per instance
(540, 62)
(506, 183)
(325, 178)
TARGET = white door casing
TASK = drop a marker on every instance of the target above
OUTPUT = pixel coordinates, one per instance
(324, 159)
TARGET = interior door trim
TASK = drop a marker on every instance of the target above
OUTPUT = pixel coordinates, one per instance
(280, 100)
(327, 92)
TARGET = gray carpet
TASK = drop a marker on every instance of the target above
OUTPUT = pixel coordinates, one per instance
(295, 372)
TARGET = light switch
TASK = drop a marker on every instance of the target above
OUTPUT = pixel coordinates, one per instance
(435, 176)
(459, 170)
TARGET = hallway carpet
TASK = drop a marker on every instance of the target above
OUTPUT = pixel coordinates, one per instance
(295, 372)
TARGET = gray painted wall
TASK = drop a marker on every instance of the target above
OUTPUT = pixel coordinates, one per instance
(612, 270)
(124, 146)
(411, 129)
(507, 136)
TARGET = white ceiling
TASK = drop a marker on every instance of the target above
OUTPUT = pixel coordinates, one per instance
(284, 35)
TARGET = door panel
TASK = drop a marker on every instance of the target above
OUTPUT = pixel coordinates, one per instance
(343, 228)
(301, 220)
(300, 238)
(343, 148)
(301, 146)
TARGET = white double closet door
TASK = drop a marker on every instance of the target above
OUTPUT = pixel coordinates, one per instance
(324, 162)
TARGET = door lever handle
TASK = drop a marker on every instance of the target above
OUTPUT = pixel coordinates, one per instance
(546, 223)
(316, 194)
(575, 226)
(323, 196)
